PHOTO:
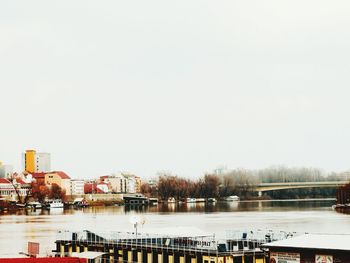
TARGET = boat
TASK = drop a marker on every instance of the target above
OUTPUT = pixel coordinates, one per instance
(231, 198)
(153, 201)
(80, 202)
(200, 200)
(190, 200)
(171, 200)
(57, 203)
(211, 200)
(136, 199)
(34, 205)
(340, 206)
(19, 205)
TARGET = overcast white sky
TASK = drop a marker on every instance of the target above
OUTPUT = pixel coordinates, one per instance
(182, 86)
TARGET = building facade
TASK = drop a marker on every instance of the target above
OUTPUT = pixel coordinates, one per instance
(117, 183)
(132, 183)
(77, 187)
(9, 192)
(36, 162)
(59, 178)
(42, 162)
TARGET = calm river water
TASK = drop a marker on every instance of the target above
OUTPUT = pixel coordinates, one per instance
(314, 216)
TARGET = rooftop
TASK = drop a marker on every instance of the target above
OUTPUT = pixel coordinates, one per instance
(315, 241)
(38, 175)
(63, 175)
(4, 181)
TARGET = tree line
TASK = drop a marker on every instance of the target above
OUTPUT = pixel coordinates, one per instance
(242, 182)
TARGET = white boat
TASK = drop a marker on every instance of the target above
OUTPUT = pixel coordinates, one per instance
(190, 200)
(34, 205)
(200, 200)
(55, 204)
(231, 198)
(171, 200)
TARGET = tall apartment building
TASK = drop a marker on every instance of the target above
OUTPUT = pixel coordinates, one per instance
(36, 162)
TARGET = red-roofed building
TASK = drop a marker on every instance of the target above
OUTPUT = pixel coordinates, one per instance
(8, 191)
(96, 188)
(20, 181)
(59, 178)
(63, 175)
(39, 177)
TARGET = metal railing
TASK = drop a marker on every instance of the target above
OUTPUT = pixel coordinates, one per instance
(235, 242)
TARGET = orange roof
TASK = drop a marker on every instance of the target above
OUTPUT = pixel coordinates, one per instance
(63, 175)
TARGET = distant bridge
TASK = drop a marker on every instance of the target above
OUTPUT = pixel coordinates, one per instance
(264, 187)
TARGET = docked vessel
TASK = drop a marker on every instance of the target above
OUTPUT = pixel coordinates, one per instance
(181, 246)
(171, 200)
(80, 202)
(34, 205)
(190, 200)
(231, 198)
(57, 203)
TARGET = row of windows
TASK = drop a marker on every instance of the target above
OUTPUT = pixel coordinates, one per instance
(12, 192)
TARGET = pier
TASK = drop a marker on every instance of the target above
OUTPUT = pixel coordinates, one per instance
(152, 248)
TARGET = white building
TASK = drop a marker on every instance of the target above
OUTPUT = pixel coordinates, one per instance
(6, 171)
(116, 182)
(8, 191)
(77, 187)
(130, 183)
(35, 162)
(42, 162)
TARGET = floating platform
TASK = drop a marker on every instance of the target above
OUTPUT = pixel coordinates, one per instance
(151, 248)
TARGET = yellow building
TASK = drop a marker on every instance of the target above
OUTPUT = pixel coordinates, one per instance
(59, 178)
(29, 161)
(35, 162)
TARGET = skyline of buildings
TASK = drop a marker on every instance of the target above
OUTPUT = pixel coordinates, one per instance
(37, 169)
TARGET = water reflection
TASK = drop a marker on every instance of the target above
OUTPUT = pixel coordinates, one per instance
(165, 208)
(56, 211)
(231, 206)
(21, 226)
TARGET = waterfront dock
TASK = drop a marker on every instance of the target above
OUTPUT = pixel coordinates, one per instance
(151, 248)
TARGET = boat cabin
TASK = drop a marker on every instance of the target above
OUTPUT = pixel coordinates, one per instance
(310, 248)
